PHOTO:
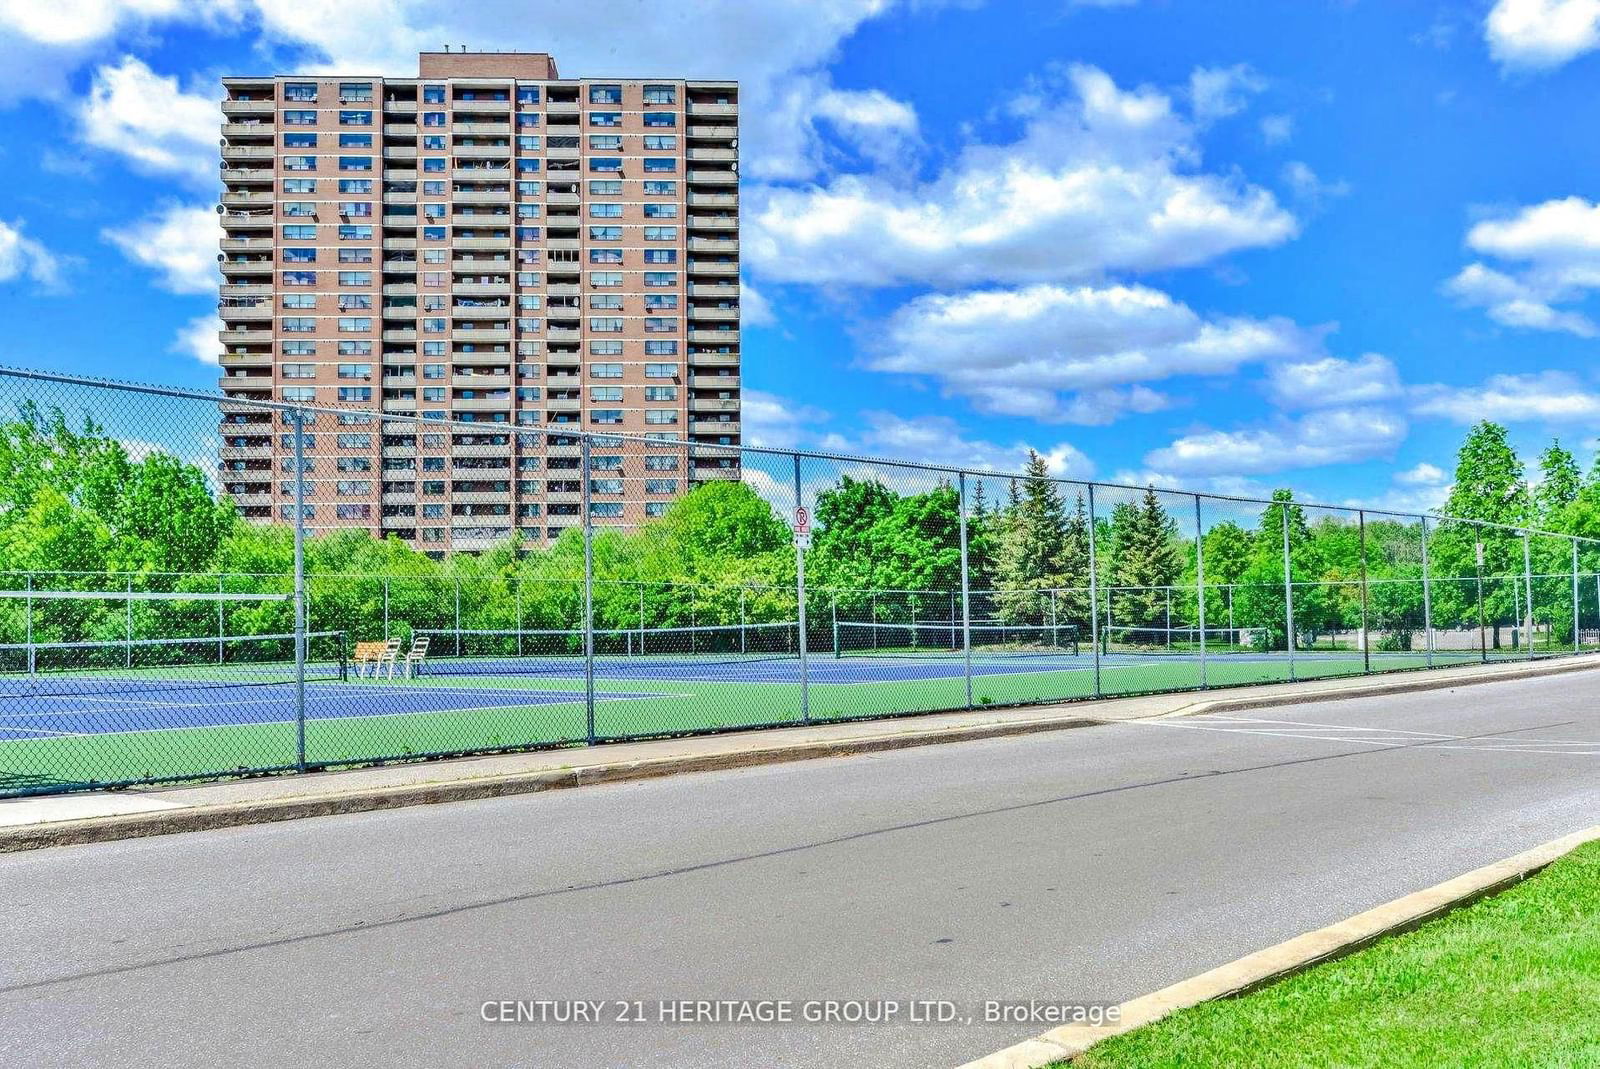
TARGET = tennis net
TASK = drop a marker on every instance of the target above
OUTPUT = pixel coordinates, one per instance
(546, 651)
(44, 669)
(852, 638)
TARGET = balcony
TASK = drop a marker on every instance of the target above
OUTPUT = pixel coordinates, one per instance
(481, 173)
(480, 334)
(244, 360)
(247, 129)
(713, 404)
(400, 243)
(400, 289)
(481, 196)
(247, 176)
(713, 267)
(714, 426)
(401, 334)
(561, 334)
(231, 312)
(245, 452)
(490, 129)
(248, 152)
(708, 473)
(713, 313)
(248, 289)
(561, 107)
(245, 199)
(706, 177)
(714, 337)
(713, 382)
(246, 245)
(713, 289)
(561, 198)
(713, 200)
(399, 452)
(481, 152)
(481, 289)
(729, 245)
(231, 268)
(399, 107)
(563, 404)
(482, 449)
(480, 404)
(714, 132)
(399, 152)
(563, 289)
(483, 243)
(257, 220)
(481, 264)
(399, 129)
(712, 154)
(253, 108)
(713, 360)
(482, 382)
(710, 111)
(713, 222)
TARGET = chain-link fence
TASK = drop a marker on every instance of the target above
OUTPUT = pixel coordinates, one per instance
(201, 586)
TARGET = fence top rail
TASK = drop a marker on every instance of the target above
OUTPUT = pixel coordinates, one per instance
(9, 371)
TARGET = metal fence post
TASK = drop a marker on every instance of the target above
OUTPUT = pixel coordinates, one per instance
(1200, 586)
(457, 583)
(1366, 633)
(300, 588)
(128, 626)
(1288, 592)
(588, 600)
(1527, 576)
(966, 600)
(1094, 595)
(386, 608)
(1575, 644)
(33, 664)
(743, 623)
(800, 605)
(1427, 596)
(1483, 623)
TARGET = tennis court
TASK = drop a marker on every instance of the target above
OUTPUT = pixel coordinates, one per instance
(117, 712)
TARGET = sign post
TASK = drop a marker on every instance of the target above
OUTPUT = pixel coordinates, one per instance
(802, 542)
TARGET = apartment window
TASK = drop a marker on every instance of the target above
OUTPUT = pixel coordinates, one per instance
(605, 142)
(527, 233)
(660, 278)
(298, 324)
(605, 256)
(527, 143)
(605, 415)
(355, 232)
(661, 462)
(300, 278)
(661, 233)
(355, 371)
(660, 371)
(660, 94)
(433, 188)
(355, 141)
(661, 348)
(299, 394)
(299, 163)
(660, 211)
(433, 394)
(355, 393)
(660, 393)
(661, 142)
(527, 189)
(307, 511)
(355, 92)
(606, 371)
(605, 94)
(660, 188)
(606, 324)
(352, 487)
(353, 464)
(433, 94)
(299, 348)
(433, 371)
(527, 94)
(433, 233)
(606, 463)
(605, 508)
(660, 118)
(354, 302)
(299, 209)
(300, 300)
(604, 187)
(300, 118)
(654, 509)
(661, 256)
(605, 163)
(433, 326)
(660, 164)
(433, 143)
(355, 185)
(433, 279)
(528, 166)
(364, 163)
(355, 278)
(527, 211)
(433, 165)
(605, 118)
(299, 185)
(355, 348)
(355, 118)
(660, 415)
(606, 211)
(605, 486)
(658, 301)
(299, 371)
(356, 210)
(356, 255)
(355, 324)
(661, 486)
(605, 393)
(300, 232)
(300, 92)
(432, 118)
(605, 278)
(605, 233)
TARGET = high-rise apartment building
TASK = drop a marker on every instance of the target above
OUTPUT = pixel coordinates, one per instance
(490, 244)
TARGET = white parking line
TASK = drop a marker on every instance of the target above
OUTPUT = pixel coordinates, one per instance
(1445, 742)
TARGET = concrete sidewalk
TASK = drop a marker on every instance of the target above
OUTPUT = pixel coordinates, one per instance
(97, 816)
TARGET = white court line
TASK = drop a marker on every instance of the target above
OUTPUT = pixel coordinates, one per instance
(1380, 743)
(42, 732)
(322, 693)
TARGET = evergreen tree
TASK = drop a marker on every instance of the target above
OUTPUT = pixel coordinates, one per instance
(1146, 562)
(1030, 555)
(1559, 485)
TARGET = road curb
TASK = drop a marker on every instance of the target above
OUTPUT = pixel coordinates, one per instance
(210, 816)
(1267, 966)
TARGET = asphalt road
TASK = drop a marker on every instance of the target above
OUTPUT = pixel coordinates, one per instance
(1089, 865)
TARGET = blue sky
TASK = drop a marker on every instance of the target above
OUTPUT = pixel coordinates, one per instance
(1223, 247)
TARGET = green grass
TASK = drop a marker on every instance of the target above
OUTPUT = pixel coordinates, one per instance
(1512, 980)
(675, 706)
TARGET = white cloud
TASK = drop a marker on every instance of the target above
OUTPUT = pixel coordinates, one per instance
(773, 422)
(1332, 381)
(198, 338)
(1277, 129)
(1423, 474)
(1555, 246)
(1098, 181)
(1541, 34)
(179, 241)
(1218, 92)
(1017, 351)
(1542, 397)
(139, 114)
(1304, 183)
(76, 22)
(23, 257)
(754, 308)
(1319, 438)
